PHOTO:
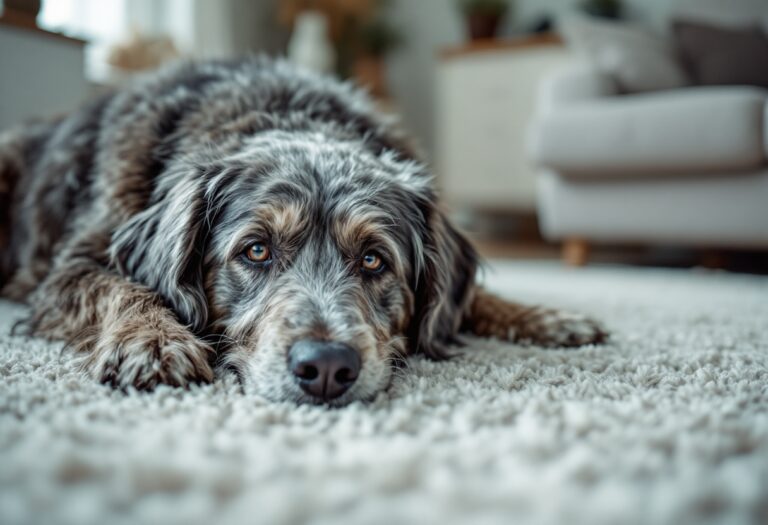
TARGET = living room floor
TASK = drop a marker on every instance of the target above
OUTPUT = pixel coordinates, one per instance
(731, 260)
(667, 423)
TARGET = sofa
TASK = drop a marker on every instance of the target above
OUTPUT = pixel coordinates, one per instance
(686, 165)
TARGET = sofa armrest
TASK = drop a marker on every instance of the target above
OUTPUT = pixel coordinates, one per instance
(576, 83)
(685, 130)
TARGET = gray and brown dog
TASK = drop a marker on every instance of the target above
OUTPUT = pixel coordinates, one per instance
(246, 215)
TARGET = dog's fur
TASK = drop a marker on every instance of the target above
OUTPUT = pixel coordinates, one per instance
(123, 226)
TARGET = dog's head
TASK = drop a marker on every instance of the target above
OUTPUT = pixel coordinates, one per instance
(317, 263)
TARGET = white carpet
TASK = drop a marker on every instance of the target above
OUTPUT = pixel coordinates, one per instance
(667, 424)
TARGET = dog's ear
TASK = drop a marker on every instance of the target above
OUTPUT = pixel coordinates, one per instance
(162, 246)
(444, 283)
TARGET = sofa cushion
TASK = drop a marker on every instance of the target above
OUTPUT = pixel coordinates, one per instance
(722, 56)
(729, 13)
(722, 209)
(689, 130)
(636, 58)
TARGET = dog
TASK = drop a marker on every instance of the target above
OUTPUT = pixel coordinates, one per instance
(245, 215)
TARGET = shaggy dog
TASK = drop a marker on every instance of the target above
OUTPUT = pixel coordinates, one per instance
(248, 215)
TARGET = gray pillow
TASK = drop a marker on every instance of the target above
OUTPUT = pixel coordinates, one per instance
(723, 56)
(637, 59)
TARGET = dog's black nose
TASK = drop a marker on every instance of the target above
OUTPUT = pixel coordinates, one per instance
(324, 369)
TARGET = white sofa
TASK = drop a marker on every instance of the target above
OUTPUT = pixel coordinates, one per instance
(687, 166)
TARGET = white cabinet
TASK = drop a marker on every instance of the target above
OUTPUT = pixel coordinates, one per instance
(41, 74)
(485, 100)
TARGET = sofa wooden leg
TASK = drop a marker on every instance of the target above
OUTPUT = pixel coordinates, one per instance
(575, 251)
(714, 259)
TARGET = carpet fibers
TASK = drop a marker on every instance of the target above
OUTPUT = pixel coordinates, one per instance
(668, 423)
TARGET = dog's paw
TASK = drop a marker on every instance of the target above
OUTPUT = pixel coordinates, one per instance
(140, 355)
(556, 328)
(491, 316)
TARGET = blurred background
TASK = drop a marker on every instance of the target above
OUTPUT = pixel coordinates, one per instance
(629, 131)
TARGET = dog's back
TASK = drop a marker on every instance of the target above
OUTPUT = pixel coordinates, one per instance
(99, 165)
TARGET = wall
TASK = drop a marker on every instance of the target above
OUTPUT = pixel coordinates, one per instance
(211, 28)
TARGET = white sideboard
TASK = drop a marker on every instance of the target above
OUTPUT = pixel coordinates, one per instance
(485, 100)
(41, 74)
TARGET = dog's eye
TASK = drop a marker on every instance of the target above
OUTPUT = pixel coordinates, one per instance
(257, 252)
(372, 262)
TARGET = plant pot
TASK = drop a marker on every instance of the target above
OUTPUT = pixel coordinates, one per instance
(28, 7)
(370, 72)
(483, 26)
(613, 12)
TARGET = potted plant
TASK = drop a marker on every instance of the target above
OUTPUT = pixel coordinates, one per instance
(376, 39)
(483, 17)
(23, 12)
(603, 8)
(28, 7)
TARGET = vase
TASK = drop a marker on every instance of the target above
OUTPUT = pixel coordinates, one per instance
(310, 46)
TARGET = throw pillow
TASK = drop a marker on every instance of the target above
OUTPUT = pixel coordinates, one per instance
(637, 59)
(723, 56)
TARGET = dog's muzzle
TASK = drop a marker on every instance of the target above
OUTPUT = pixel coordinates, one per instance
(324, 369)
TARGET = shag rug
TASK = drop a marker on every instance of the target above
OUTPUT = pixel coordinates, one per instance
(668, 423)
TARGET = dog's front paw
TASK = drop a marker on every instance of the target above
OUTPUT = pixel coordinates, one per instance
(491, 316)
(556, 328)
(142, 355)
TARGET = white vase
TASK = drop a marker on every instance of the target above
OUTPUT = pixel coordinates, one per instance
(310, 46)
